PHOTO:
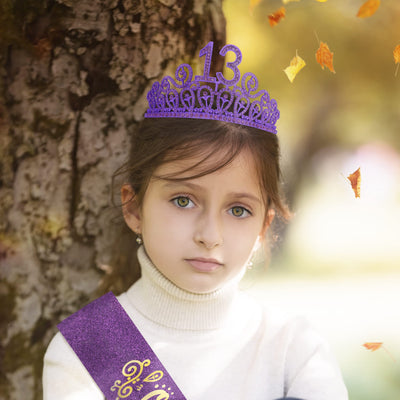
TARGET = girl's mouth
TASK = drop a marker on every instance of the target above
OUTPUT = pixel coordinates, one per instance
(204, 264)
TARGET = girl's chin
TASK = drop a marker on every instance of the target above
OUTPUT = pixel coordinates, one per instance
(199, 287)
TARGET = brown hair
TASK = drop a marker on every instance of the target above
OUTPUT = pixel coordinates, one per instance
(160, 140)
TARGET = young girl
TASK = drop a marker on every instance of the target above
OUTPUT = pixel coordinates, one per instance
(202, 189)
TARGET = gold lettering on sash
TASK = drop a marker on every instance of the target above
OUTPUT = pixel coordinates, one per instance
(154, 376)
(161, 395)
(132, 371)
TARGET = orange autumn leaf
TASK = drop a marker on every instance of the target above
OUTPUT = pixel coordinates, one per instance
(373, 346)
(355, 181)
(276, 17)
(396, 55)
(324, 56)
(368, 8)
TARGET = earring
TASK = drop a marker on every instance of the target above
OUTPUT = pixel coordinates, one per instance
(139, 240)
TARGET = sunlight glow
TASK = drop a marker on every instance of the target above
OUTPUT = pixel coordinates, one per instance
(333, 227)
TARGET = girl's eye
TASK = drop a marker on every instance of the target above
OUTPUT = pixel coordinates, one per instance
(183, 202)
(239, 212)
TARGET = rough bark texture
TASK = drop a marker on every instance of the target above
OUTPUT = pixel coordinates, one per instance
(73, 78)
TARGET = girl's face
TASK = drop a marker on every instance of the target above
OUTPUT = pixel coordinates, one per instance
(200, 233)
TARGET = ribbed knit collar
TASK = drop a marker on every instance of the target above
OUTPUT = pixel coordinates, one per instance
(164, 303)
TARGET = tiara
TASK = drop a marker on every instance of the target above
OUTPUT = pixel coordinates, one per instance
(234, 100)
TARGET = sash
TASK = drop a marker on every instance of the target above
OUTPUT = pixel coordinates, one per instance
(116, 354)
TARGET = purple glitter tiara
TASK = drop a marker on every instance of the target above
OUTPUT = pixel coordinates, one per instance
(216, 98)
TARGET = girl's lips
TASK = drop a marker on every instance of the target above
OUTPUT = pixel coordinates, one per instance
(204, 264)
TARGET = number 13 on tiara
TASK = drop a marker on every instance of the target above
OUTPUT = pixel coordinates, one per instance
(207, 52)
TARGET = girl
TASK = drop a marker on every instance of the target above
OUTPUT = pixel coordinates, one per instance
(202, 189)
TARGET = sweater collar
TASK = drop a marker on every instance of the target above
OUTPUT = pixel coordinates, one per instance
(164, 303)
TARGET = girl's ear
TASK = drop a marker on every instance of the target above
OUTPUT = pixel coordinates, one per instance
(130, 208)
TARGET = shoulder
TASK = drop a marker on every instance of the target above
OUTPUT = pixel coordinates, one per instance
(293, 346)
(276, 321)
(311, 369)
(293, 334)
(59, 350)
(64, 375)
(273, 320)
(60, 358)
(271, 327)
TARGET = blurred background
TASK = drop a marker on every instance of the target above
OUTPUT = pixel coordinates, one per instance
(337, 261)
(73, 82)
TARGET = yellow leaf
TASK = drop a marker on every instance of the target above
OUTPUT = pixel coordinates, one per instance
(288, 1)
(322, 1)
(296, 64)
(368, 8)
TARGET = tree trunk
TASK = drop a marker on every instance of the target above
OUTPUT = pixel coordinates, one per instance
(74, 74)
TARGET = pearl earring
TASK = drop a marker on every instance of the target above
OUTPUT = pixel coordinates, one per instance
(139, 240)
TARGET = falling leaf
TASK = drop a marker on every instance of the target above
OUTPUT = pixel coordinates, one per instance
(368, 8)
(396, 55)
(373, 346)
(296, 64)
(324, 56)
(275, 17)
(355, 181)
(253, 5)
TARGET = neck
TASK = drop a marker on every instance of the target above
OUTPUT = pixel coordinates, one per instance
(163, 302)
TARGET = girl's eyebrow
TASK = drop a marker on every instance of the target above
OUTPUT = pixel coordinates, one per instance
(194, 186)
(244, 195)
(174, 184)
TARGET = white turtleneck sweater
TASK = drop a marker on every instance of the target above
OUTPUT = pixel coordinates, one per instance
(216, 346)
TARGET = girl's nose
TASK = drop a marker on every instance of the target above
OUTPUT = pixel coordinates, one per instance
(208, 231)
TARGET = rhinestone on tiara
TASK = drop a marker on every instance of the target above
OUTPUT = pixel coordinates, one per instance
(234, 100)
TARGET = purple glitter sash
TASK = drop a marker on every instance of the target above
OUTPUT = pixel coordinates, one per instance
(116, 354)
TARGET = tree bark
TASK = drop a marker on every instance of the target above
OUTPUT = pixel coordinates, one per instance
(74, 75)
